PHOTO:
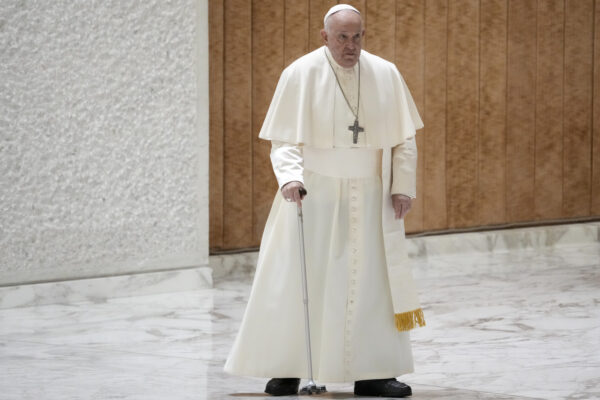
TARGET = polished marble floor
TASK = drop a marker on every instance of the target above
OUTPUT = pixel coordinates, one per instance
(520, 324)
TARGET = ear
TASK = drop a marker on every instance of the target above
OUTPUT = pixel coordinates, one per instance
(324, 35)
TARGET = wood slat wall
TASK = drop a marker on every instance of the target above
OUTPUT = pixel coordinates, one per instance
(492, 112)
(506, 89)
(549, 110)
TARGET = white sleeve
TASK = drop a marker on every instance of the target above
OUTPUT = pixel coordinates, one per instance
(404, 168)
(288, 162)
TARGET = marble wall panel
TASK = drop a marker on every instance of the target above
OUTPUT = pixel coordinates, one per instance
(103, 138)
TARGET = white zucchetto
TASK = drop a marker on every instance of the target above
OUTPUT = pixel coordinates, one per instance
(339, 7)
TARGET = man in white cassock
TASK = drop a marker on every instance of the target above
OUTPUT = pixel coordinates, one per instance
(342, 124)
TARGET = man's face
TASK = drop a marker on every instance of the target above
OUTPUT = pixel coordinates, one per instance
(344, 36)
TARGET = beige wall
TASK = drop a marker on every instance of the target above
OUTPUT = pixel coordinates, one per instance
(103, 138)
(505, 88)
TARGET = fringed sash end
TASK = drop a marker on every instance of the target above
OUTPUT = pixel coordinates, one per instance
(410, 320)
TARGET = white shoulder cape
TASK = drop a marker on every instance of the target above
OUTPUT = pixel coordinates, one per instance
(303, 104)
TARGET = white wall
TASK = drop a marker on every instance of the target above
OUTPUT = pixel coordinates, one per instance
(103, 137)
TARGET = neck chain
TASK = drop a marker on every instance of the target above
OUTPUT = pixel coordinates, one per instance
(354, 128)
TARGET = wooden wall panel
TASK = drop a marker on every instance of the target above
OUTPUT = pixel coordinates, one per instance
(381, 28)
(578, 106)
(549, 110)
(595, 203)
(492, 112)
(237, 218)
(295, 30)
(317, 10)
(216, 149)
(520, 134)
(508, 91)
(267, 61)
(462, 106)
(410, 59)
(433, 150)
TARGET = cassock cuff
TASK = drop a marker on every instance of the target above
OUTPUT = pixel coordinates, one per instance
(404, 169)
(288, 162)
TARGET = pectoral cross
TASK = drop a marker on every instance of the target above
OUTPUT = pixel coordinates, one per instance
(355, 130)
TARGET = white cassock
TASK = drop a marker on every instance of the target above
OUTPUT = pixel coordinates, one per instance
(361, 296)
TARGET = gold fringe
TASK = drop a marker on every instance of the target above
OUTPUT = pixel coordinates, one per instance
(409, 320)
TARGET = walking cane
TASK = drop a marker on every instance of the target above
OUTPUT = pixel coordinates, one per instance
(312, 387)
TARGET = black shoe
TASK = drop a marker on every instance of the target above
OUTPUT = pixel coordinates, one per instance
(382, 388)
(282, 386)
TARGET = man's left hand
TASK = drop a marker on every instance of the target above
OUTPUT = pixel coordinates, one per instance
(401, 205)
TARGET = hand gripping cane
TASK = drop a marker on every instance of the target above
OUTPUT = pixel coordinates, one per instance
(312, 387)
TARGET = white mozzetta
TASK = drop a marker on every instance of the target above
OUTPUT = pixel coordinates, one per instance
(103, 138)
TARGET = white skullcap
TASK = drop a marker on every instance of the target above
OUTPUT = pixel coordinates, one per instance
(337, 8)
